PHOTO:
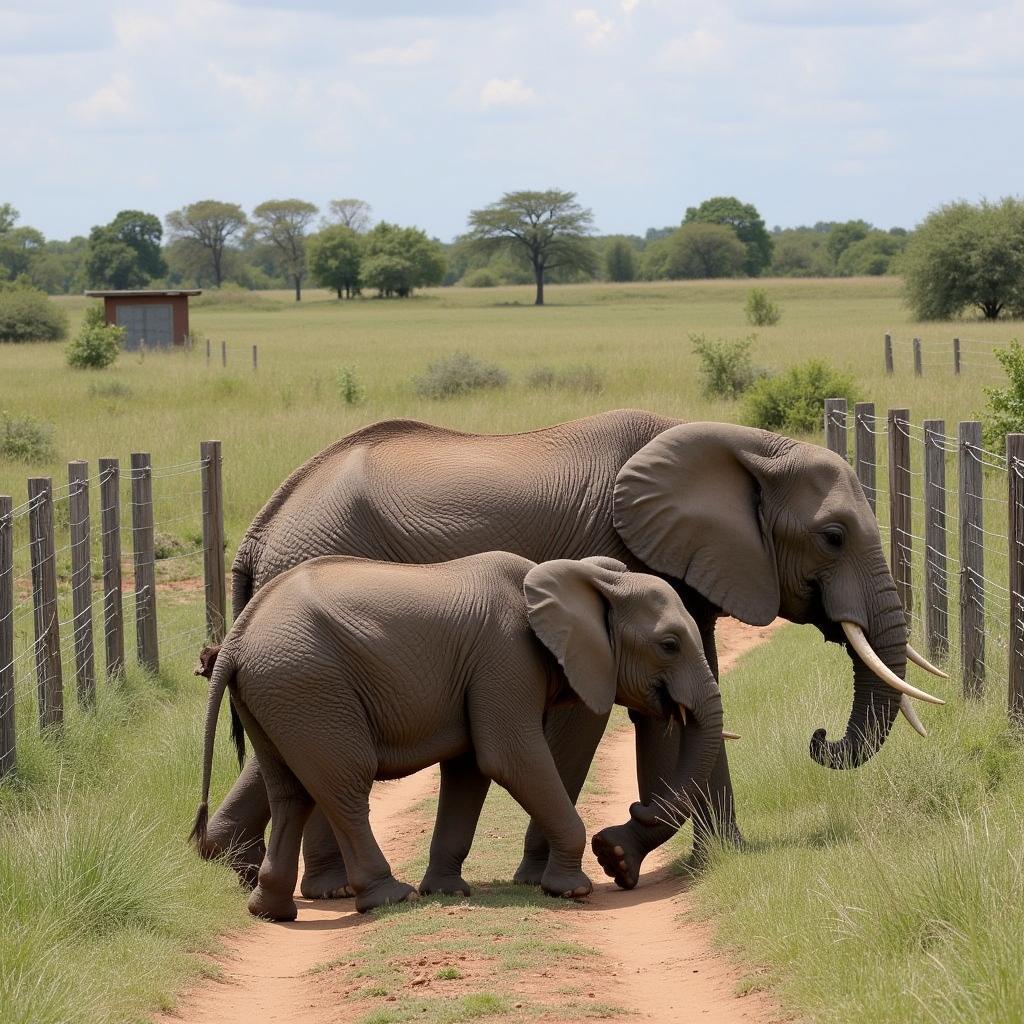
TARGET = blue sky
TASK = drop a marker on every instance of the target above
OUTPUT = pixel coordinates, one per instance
(810, 110)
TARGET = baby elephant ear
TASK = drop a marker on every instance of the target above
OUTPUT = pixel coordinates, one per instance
(566, 602)
(605, 562)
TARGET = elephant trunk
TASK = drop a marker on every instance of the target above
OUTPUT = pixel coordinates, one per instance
(875, 703)
(699, 751)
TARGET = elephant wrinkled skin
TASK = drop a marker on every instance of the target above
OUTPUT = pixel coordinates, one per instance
(740, 521)
(345, 670)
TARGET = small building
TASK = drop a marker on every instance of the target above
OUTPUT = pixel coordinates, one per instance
(150, 317)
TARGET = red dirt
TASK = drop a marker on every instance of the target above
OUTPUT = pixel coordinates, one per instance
(663, 968)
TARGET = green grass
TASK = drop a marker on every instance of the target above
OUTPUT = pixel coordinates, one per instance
(894, 893)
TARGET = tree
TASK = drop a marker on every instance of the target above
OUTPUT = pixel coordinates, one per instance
(398, 260)
(20, 248)
(351, 213)
(620, 261)
(871, 256)
(208, 225)
(335, 258)
(8, 217)
(966, 255)
(744, 219)
(842, 236)
(126, 252)
(694, 251)
(800, 252)
(550, 228)
(282, 223)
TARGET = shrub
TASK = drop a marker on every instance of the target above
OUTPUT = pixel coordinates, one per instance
(29, 315)
(1005, 414)
(583, 378)
(794, 401)
(352, 392)
(26, 440)
(95, 347)
(761, 311)
(458, 374)
(482, 277)
(726, 367)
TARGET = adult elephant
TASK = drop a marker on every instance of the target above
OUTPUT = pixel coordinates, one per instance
(741, 521)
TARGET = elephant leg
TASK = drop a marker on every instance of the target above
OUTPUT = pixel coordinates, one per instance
(573, 734)
(324, 876)
(463, 791)
(236, 831)
(714, 818)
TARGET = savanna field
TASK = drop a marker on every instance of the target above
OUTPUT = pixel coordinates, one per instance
(891, 893)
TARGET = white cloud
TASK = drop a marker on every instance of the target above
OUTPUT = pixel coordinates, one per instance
(596, 30)
(696, 47)
(416, 53)
(506, 92)
(115, 99)
(628, 6)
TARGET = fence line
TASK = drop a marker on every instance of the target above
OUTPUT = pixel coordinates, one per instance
(960, 355)
(55, 590)
(934, 541)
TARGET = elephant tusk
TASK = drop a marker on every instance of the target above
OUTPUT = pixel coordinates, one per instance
(726, 735)
(908, 712)
(924, 663)
(859, 642)
(682, 713)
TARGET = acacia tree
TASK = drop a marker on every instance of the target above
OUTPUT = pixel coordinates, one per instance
(350, 213)
(964, 255)
(744, 219)
(208, 225)
(282, 223)
(549, 228)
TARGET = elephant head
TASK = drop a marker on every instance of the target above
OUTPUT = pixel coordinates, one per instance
(761, 526)
(626, 636)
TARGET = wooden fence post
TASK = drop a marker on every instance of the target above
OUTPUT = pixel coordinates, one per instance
(972, 561)
(145, 566)
(44, 602)
(81, 581)
(936, 580)
(224, 353)
(213, 541)
(864, 450)
(888, 353)
(917, 357)
(956, 356)
(835, 426)
(207, 352)
(900, 541)
(255, 359)
(1015, 655)
(8, 744)
(110, 526)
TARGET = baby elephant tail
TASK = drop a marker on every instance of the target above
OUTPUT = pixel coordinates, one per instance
(204, 667)
(220, 669)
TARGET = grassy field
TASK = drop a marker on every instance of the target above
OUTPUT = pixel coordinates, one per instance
(92, 862)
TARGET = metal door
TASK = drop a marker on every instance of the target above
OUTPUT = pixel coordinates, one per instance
(150, 324)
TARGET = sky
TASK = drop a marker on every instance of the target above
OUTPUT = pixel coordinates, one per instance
(811, 110)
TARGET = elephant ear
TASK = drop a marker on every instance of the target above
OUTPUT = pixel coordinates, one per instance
(566, 602)
(606, 562)
(689, 505)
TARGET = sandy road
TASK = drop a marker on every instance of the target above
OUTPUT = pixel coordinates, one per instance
(662, 969)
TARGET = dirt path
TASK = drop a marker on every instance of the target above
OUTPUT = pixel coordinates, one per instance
(662, 970)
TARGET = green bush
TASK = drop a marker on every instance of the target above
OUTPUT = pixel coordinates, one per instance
(482, 277)
(583, 378)
(458, 374)
(760, 310)
(794, 401)
(351, 391)
(1005, 413)
(29, 315)
(26, 440)
(96, 346)
(726, 367)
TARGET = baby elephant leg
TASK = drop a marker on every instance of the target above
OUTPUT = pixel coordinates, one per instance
(236, 829)
(324, 876)
(463, 791)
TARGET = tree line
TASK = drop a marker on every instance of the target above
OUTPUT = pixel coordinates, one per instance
(962, 256)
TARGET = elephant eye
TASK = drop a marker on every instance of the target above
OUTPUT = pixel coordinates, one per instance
(670, 645)
(833, 536)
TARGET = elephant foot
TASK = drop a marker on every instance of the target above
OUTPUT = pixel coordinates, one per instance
(620, 851)
(530, 871)
(566, 884)
(270, 907)
(435, 883)
(388, 891)
(329, 884)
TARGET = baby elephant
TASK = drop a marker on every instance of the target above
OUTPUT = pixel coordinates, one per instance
(345, 670)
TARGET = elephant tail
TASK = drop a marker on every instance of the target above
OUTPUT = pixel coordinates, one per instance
(221, 673)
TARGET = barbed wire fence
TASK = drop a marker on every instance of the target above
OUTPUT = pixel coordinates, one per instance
(63, 576)
(970, 535)
(960, 356)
